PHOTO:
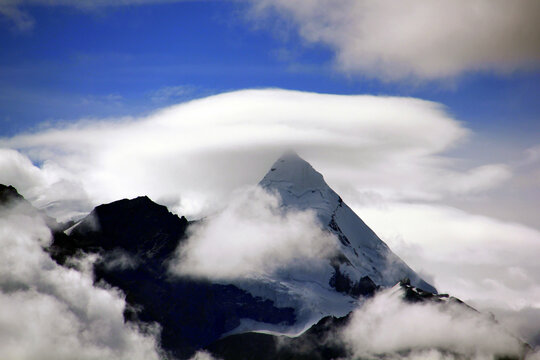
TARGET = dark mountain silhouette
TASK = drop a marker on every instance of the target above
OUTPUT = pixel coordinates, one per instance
(135, 239)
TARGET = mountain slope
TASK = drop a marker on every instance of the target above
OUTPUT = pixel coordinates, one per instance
(362, 253)
(134, 239)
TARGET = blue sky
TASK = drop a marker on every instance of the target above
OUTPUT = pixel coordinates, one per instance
(127, 60)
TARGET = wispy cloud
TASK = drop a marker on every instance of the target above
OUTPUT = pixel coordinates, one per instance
(14, 9)
(170, 94)
(21, 20)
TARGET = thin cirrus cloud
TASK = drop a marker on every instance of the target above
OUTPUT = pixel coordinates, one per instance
(14, 9)
(426, 39)
(186, 155)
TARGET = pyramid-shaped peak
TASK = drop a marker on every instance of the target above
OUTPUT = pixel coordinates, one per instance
(293, 172)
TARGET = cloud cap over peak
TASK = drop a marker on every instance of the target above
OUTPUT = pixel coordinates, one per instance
(174, 154)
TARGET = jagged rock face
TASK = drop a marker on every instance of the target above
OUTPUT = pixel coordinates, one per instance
(139, 226)
(362, 253)
(134, 239)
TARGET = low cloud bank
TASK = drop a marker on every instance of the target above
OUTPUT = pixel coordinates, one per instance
(489, 263)
(387, 324)
(51, 312)
(253, 236)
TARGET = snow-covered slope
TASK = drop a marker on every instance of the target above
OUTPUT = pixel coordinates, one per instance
(332, 286)
(364, 254)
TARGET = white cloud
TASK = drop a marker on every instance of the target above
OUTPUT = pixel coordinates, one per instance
(484, 261)
(202, 355)
(425, 39)
(388, 324)
(51, 312)
(49, 186)
(253, 236)
(203, 149)
(170, 93)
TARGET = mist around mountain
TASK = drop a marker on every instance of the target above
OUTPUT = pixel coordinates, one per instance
(286, 271)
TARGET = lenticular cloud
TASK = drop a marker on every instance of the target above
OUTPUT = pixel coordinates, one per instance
(192, 155)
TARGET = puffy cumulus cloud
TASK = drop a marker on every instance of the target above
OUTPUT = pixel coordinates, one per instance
(253, 236)
(386, 324)
(51, 312)
(425, 39)
(190, 154)
(489, 263)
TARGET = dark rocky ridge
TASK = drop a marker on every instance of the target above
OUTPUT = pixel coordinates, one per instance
(320, 342)
(139, 226)
(8, 194)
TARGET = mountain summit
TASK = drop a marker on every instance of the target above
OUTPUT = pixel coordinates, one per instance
(363, 255)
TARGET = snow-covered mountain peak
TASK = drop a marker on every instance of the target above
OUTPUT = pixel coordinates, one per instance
(301, 186)
(362, 252)
(294, 173)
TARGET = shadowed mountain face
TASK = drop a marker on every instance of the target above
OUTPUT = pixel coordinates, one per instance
(320, 342)
(135, 239)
